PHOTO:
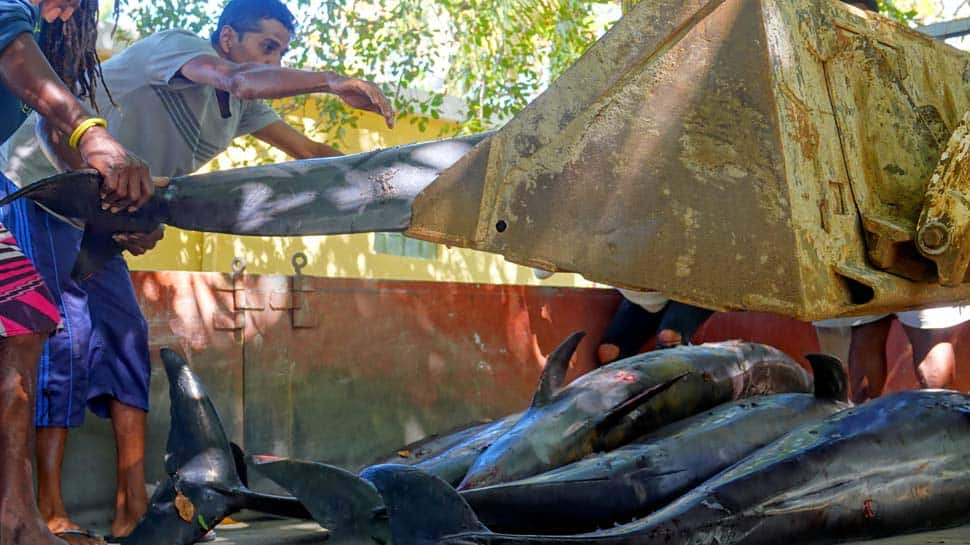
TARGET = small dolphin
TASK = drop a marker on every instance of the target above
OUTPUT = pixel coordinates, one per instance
(633, 480)
(203, 486)
(619, 402)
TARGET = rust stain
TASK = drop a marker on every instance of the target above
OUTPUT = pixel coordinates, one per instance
(804, 130)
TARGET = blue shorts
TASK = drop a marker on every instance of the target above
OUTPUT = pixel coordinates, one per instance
(101, 352)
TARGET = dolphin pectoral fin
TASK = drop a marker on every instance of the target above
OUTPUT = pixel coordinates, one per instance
(348, 506)
(828, 373)
(422, 508)
(553, 377)
(614, 415)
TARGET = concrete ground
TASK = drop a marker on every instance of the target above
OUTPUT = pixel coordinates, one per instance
(266, 531)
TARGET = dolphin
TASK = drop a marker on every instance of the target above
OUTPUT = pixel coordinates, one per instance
(449, 457)
(892, 466)
(359, 193)
(629, 480)
(432, 445)
(633, 480)
(203, 484)
(619, 402)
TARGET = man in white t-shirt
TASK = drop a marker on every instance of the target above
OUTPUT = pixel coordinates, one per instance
(177, 100)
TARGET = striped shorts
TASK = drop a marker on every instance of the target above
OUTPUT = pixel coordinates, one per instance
(26, 305)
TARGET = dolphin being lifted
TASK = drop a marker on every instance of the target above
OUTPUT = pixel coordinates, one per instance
(619, 402)
(892, 466)
(360, 193)
(203, 484)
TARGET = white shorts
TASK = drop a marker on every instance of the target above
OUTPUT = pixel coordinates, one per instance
(935, 318)
(851, 321)
(651, 301)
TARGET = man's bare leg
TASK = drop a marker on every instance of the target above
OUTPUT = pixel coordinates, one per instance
(933, 356)
(51, 443)
(867, 358)
(131, 500)
(20, 521)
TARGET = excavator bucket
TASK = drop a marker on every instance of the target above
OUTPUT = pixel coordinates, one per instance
(771, 155)
(768, 155)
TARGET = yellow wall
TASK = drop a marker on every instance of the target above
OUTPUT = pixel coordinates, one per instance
(342, 256)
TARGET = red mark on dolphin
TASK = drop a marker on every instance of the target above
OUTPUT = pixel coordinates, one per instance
(625, 376)
(867, 510)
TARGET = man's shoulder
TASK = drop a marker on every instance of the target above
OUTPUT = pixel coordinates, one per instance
(174, 36)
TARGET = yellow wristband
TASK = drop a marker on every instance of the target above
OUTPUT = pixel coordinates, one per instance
(83, 128)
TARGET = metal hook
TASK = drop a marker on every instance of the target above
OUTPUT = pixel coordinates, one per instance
(299, 261)
(238, 266)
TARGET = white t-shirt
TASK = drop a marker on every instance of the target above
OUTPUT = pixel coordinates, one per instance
(174, 124)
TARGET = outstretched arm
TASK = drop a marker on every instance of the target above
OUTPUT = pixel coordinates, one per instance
(293, 142)
(25, 72)
(252, 81)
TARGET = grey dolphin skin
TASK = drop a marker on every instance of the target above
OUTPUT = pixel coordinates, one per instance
(364, 192)
(452, 464)
(892, 466)
(617, 403)
(360, 193)
(635, 479)
(203, 486)
(431, 446)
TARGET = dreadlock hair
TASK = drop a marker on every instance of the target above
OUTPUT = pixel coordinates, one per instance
(71, 49)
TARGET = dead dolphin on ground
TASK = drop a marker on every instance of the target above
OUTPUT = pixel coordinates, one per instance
(619, 402)
(892, 466)
(635, 479)
(203, 486)
(678, 457)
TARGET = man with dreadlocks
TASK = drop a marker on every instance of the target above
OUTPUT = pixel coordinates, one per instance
(176, 100)
(28, 313)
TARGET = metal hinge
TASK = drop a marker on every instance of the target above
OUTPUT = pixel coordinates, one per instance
(242, 300)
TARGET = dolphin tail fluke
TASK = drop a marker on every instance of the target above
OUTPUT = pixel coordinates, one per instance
(831, 381)
(553, 376)
(280, 506)
(348, 506)
(422, 507)
(196, 435)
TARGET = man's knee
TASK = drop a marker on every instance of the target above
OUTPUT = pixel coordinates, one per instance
(607, 353)
(668, 338)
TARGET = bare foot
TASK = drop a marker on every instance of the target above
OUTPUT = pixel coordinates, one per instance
(79, 537)
(18, 527)
(127, 514)
(64, 528)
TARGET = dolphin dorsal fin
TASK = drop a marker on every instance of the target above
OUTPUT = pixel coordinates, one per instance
(828, 373)
(553, 377)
